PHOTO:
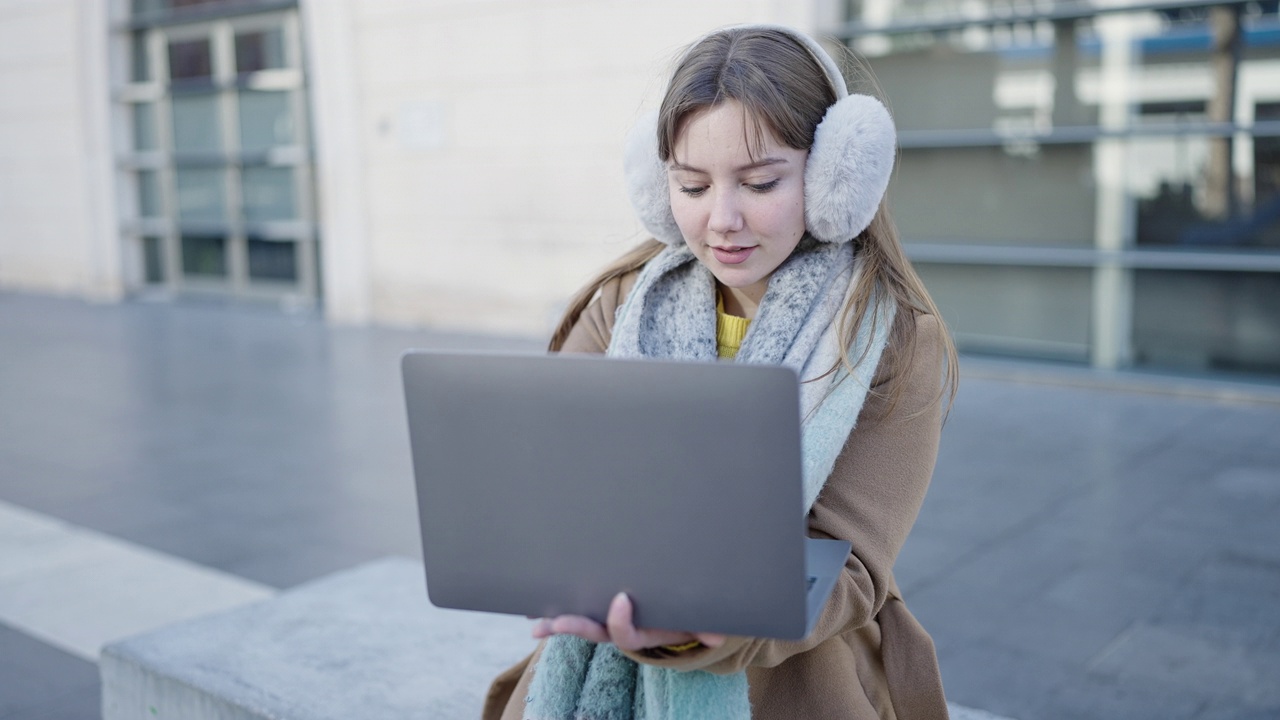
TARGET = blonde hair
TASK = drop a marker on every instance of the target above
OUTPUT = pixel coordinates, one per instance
(786, 93)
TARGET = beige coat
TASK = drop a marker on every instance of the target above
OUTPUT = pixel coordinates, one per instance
(867, 658)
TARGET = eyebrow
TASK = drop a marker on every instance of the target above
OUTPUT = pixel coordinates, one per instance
(762, 162)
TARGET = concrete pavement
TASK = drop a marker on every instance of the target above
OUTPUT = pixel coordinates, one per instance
(1092, 546)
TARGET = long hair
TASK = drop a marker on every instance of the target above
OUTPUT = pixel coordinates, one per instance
(785, 93)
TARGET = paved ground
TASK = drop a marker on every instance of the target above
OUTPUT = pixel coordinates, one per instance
(1092, 546)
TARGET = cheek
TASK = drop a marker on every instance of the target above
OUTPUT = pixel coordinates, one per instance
(684, 212)
(786, 216)
(795, 214)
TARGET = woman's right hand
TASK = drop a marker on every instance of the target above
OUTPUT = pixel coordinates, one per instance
(619, 629)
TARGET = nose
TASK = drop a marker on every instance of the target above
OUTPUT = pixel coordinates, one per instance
(725, 217)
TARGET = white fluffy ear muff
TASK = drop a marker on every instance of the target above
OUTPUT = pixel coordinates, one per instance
(848, 169)
(646, 178)
(845, 177)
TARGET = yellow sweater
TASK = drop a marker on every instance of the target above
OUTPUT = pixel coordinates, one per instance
(730, 329)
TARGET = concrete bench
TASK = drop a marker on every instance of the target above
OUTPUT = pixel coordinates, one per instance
(364, 643)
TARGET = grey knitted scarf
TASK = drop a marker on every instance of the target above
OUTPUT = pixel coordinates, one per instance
(671, 313)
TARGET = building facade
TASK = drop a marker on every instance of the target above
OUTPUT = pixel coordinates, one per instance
(450, 163)
(1085, 182)
(1090, 182)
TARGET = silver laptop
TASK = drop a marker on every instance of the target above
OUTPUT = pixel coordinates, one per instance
(547, 484)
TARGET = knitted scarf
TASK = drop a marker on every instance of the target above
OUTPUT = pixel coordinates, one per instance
(671, 313)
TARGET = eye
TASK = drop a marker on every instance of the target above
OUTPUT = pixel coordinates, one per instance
(693, 191)
(764, 187)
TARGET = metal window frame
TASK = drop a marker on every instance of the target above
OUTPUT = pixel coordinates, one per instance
(1079, 135)
(1057, 12)
(182, 16)
(226, 84)
(963, 253)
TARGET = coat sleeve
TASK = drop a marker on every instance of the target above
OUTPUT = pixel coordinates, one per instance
(871, 499)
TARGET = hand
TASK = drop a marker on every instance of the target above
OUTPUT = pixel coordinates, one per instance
(619, 630)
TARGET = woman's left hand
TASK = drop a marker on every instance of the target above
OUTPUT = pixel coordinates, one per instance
(619, 630)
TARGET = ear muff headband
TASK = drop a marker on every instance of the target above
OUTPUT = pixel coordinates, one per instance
(845, 178)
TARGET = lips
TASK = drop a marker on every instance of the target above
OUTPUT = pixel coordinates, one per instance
(732, 254)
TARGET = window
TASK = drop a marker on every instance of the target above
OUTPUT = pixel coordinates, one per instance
(219, 160)
(1087, 182)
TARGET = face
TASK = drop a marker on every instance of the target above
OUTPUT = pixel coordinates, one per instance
(740, 215)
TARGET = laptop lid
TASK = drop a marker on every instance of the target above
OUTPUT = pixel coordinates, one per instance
(547, 484)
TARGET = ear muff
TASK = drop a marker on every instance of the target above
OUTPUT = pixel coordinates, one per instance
(646, 179)
(845, 177)
(848, 169)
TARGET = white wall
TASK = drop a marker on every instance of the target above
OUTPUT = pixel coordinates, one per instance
(58, 230)
(470, 151)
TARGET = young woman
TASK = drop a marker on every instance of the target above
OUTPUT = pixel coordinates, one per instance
(762, 181)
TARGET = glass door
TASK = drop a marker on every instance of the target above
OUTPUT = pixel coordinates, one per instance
(220, 164)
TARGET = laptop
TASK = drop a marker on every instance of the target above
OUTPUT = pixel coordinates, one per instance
(546, 484)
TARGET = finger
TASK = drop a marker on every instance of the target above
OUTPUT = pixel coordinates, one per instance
(711, 640)
(583, 627)
(627, 636)
(621, 629)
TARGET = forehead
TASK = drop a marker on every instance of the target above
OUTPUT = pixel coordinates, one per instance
(725, 130)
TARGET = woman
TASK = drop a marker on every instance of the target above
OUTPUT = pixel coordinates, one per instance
(762, 182)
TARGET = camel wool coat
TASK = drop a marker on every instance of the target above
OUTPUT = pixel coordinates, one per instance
(867, 658)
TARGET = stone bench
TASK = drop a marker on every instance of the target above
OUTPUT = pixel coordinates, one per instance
(364, 643)
(360, 644)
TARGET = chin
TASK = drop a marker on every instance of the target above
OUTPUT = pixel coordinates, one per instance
(736, 280)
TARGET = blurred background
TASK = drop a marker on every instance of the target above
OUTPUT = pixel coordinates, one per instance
(1094, 183)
